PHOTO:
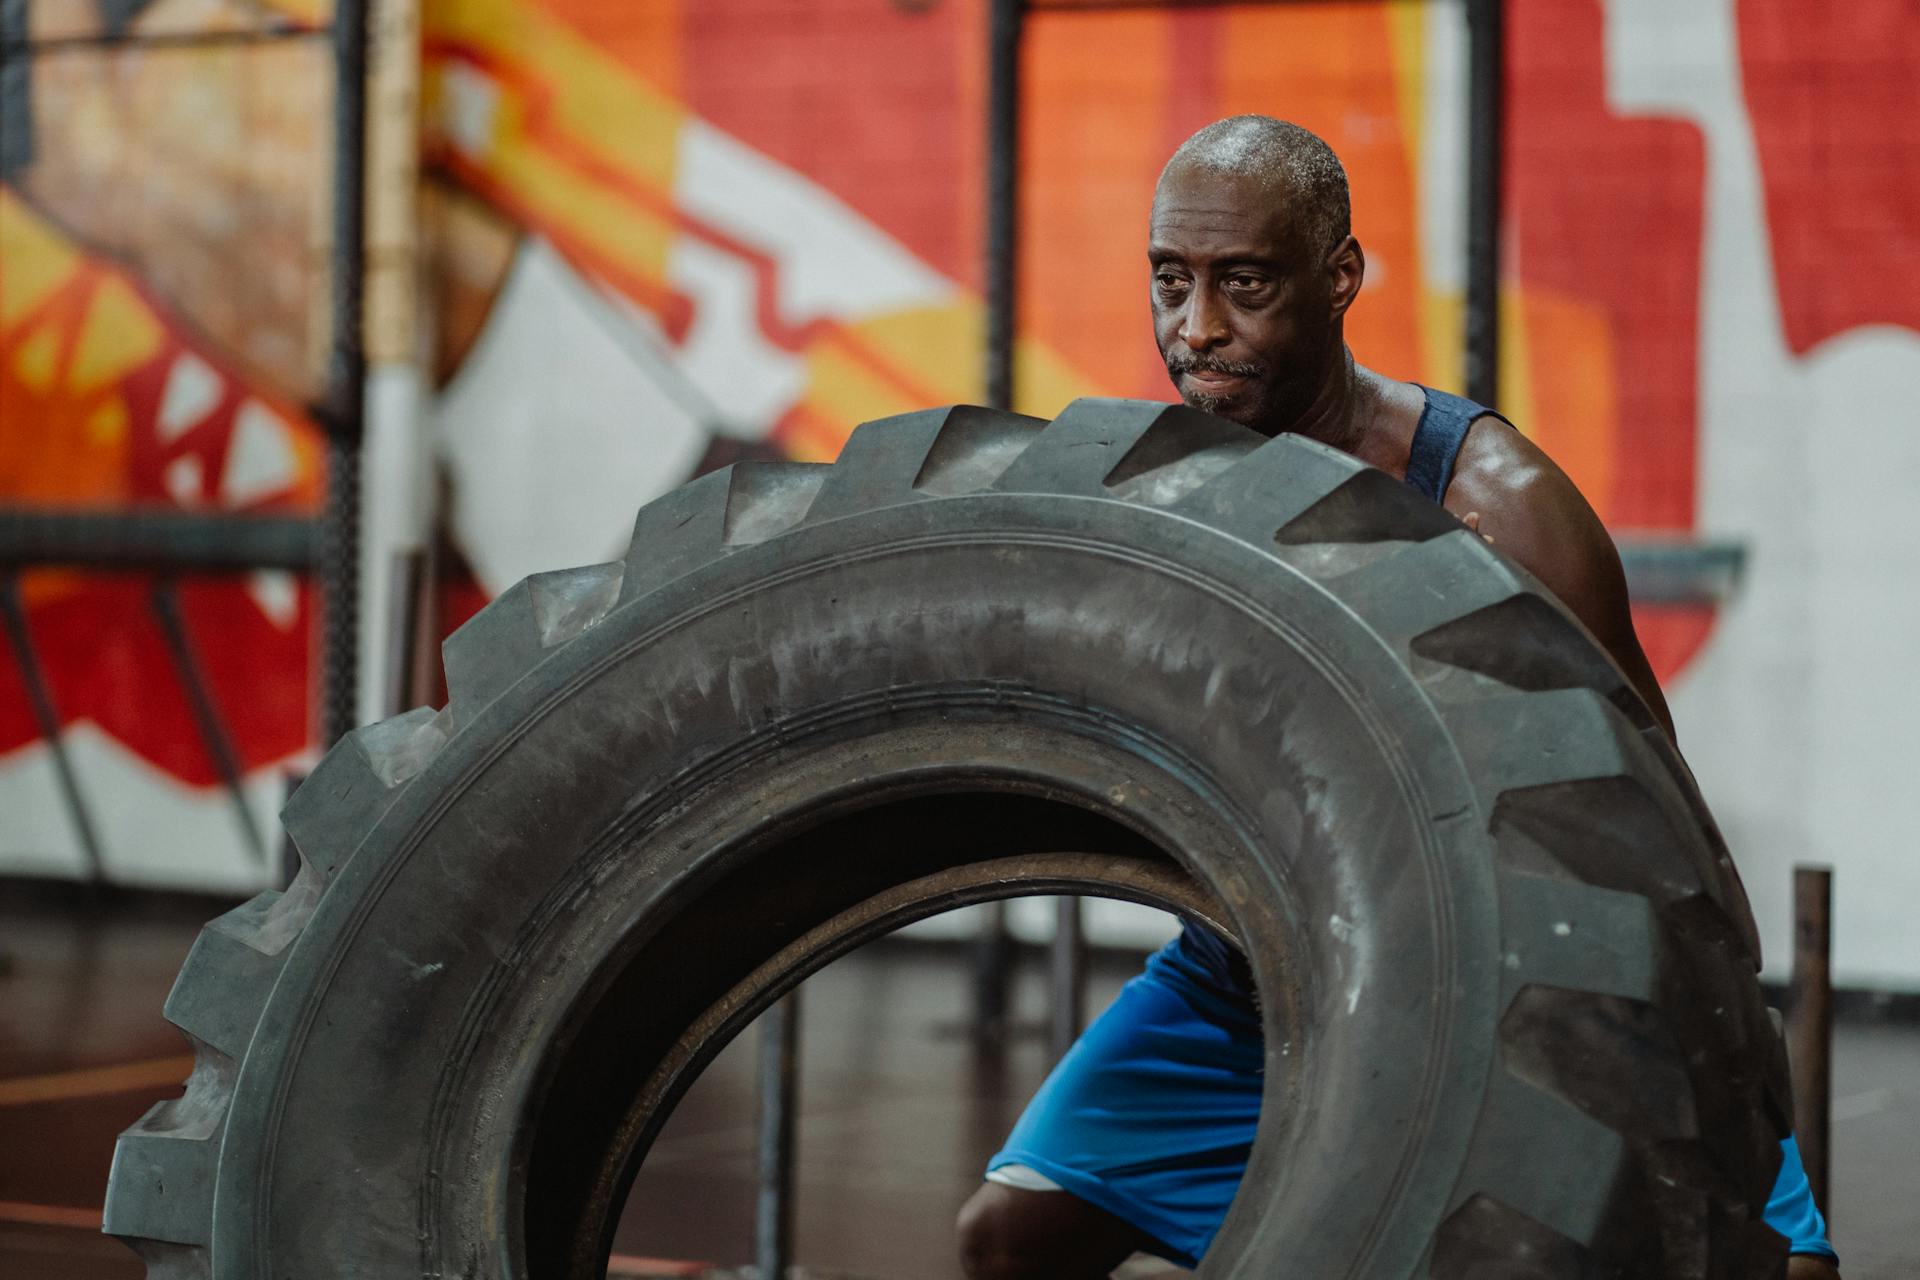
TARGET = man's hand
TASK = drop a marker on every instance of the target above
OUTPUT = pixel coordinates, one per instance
(1805, 1267)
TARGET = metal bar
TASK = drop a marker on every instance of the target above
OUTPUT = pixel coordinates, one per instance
(16, 93)
(405, 604)
(1681, 570)
(993, 953)
(1109, 6)
(1809, 1025)
(992, 976)
(779, 1108)
(165, 599)
(345, 408)
(155, 540)
(1069, 974)
(1003, 197)
(40, 698)
(1485, 180)
(163, 41)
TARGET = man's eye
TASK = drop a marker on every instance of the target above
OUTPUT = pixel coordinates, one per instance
(1169, 283)
(1244, 282)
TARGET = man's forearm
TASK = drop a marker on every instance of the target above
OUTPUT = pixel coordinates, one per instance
(1805, 1267)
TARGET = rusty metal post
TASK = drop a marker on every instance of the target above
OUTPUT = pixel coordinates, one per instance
(779, 1105)
(1809, 1024)
(1069, 975)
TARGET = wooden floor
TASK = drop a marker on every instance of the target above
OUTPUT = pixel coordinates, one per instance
(898, 1112)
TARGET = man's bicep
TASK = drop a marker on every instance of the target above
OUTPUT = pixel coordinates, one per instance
(1533, 513)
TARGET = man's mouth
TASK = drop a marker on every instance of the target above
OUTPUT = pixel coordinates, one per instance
(1213, 379)
(1213, 382)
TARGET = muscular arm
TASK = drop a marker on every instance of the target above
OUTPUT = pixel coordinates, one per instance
(1533, 513)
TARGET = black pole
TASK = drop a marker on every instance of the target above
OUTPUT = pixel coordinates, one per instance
(1069, 975)
(993, 953)
(165, 600)
(406, 589)
(1486, 93)
(1003, 194)
(151, 539)
(40, 699)
(779, 1102)
(344, 409)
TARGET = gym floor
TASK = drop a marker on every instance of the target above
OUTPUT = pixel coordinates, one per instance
(898, 1110)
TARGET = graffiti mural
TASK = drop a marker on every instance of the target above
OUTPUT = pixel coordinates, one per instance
(661, 236)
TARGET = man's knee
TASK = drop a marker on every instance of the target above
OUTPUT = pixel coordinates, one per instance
(994, 1227)
(1010, 1234)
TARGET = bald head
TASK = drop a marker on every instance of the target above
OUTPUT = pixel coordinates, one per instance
(1292, 164)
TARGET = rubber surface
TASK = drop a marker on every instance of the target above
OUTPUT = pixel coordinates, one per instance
(1508, 974)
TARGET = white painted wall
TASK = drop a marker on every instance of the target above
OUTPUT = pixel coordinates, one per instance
(1800, 715)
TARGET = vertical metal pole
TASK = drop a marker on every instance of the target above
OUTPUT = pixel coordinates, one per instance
(345, 408)
(1005, 21)
(779, 1107)
(993, 954)
(1486, 94)
(40, 699)
(1809, 1019)
(406, 590)
(1069, 971)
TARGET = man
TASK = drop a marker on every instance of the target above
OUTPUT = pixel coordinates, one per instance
(1253, 269)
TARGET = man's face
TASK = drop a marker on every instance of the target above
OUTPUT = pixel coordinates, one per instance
(1241, 308)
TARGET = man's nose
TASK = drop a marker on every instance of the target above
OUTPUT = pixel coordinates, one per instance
(1205, 324)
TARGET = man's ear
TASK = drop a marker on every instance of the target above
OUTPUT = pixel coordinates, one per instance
(1346, 268)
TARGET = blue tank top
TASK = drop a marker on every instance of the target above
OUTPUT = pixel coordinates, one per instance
(1199, 953)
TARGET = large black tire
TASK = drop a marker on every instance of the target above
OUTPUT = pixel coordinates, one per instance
(1513, 1025)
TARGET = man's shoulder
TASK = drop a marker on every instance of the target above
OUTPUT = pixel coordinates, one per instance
(1500, 469)
(1533, 511)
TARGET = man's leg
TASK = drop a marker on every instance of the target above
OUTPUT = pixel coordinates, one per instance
(1136, 1142)
(1010, 1234)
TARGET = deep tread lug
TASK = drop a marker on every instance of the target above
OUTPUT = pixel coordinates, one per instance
(1269, 488)
(1424, 587)
(1368, 506)
(1556, 1188)
(1527, 641)
(1614, 1058)
(1562, 934)
(226, 980)
(161, 1184)
(160, 1187)
(1176, 456)
(497, 646)
(1485, 1238)
(1537, 739)
(1092, 437)
(973, 450)
(675, 533)
(332, 811)
(567, 602)
(884, 463)
(765, 499)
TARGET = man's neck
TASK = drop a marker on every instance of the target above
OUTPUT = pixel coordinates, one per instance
(1334, 416)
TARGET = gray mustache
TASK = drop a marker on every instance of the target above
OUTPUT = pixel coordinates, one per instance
(1202, 364)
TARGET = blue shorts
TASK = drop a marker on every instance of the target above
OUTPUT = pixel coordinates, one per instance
(1151, 1115)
